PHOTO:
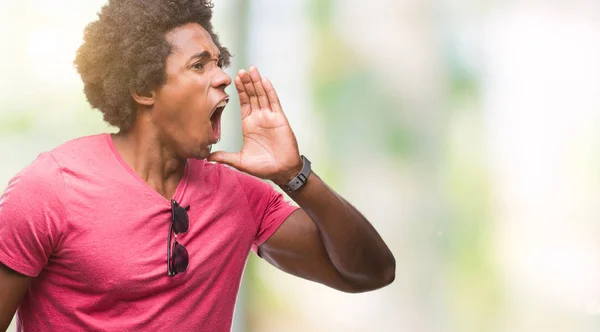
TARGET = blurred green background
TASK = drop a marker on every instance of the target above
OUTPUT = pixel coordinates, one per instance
(468, 132)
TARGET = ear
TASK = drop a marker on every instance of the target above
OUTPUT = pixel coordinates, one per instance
(143, 98)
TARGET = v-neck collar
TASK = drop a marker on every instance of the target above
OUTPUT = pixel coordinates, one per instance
(177, 196)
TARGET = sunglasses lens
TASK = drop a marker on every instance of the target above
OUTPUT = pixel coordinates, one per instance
(180, 261)
(181, 222)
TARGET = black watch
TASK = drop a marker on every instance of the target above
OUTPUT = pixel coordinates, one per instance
(300, 179)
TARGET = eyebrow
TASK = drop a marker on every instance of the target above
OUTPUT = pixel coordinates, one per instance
(202, 55)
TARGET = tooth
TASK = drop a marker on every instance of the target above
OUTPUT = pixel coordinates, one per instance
(223, 103)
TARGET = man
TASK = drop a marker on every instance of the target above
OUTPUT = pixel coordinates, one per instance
(83, 228)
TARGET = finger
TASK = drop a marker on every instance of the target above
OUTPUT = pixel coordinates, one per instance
(227, 158)
(247, 81)
(263, 100)
(245, 107)
(272, 94)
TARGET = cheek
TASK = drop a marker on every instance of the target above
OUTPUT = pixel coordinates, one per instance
(195, 113)
(183, 102)
(197, 105)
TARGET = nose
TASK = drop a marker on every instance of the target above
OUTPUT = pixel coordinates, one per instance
(221, 79)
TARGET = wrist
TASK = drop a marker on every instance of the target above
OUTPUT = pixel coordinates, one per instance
(297, 181)
(282, 179)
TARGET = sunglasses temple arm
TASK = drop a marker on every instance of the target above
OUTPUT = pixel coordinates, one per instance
(169, 250)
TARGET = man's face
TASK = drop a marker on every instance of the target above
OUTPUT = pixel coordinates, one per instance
(187, 109)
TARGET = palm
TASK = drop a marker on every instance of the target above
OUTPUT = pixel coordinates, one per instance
(268, 141)
(270, 149)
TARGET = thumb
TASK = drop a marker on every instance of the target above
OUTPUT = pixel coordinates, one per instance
(227, 158)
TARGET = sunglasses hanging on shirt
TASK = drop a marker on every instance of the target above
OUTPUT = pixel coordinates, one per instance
(177, 255)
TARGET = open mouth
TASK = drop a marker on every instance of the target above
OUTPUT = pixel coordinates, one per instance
(215, 118)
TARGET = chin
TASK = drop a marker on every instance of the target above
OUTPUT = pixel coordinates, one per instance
(200, 152)
(194, 147)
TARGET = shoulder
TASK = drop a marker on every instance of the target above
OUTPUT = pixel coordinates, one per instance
(222, 175)
(83, 148)
(43, 172)
(44, 176)
(245, 181)
(38, 184)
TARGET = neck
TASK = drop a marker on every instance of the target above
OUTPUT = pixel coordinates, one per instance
(150, 158)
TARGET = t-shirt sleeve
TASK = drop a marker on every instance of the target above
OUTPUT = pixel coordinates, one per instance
(268, 207)
(31, 215)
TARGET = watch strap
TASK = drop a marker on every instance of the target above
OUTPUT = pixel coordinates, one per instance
(300, 179)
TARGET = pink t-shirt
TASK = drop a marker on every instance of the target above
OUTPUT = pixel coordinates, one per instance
(93, 235)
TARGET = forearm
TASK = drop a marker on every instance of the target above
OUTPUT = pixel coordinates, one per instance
(353, 245)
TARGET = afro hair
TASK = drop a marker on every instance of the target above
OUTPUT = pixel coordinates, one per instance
(126, 50)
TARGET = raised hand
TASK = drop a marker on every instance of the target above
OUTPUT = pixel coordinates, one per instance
(270, 150)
